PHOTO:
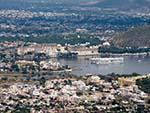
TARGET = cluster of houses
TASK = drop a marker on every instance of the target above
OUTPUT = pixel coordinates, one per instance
(72, 94)
(32, 57)
(32, 67)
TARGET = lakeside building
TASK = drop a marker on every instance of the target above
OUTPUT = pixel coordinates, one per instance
(84, 50)
(53, 50)
(49, 49)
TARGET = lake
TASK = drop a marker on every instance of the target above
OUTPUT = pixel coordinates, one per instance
(82, 66)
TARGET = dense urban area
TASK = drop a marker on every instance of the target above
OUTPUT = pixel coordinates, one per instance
(69, 94)
(67, 24)
(34, 34)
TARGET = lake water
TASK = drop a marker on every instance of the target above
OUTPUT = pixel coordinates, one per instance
(138, 64)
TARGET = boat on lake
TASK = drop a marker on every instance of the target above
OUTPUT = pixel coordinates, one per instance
(111, 60)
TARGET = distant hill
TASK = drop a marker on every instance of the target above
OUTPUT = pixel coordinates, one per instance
(135, 37)
(120, 4)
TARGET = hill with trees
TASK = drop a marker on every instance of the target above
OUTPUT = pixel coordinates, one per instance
(134, 37)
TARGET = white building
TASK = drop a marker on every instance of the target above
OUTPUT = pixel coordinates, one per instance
(84, 50)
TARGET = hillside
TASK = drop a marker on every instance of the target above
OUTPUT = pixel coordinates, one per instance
(135, 37)
(122, 4)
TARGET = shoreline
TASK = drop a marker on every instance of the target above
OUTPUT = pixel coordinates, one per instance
(127, 54)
